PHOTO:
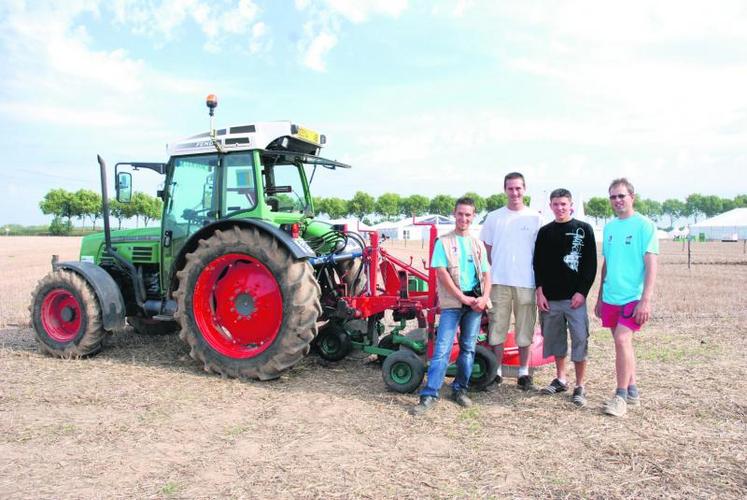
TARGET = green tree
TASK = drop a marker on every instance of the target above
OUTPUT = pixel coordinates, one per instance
(87, 203)
(442, 204)
(496, 201)
(480, 202)
(598, 208)
(335, 207)
(727, 204)
(740, 201)
(146, 206)
(694, 206)
(58, 202)
(674, 209)
(59, 227)
(415, 204)
(711, 205)
(361, 205)
(649, 208)
(116, 211)
(388, 205)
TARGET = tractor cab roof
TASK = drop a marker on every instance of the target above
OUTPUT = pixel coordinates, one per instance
(276, 135)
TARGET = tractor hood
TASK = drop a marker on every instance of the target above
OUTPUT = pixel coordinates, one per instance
(92, 245)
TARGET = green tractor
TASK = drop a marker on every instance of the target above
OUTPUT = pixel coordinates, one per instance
(239, 265)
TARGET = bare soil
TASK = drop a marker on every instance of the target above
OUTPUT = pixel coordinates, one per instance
(142, 420)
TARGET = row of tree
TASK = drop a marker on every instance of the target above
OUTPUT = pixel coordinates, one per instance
(391, 205)
(86, 204)
(695, 206)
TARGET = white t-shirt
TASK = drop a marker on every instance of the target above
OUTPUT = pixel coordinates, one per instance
(511, 234)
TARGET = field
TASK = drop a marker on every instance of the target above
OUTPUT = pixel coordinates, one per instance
(142, 420)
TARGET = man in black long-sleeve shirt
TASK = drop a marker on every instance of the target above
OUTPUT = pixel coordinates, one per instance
(565, 265)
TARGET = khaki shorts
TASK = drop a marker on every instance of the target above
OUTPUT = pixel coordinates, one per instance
(522, 302)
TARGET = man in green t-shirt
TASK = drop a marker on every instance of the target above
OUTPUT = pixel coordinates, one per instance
(629, 249)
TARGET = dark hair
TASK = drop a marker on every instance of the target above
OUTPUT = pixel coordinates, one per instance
(561, 193)
(514, 175)
(465, 200)
(622, 181)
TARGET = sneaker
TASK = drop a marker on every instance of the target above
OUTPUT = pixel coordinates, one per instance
(633, 400)
(525, 383)
(579, 396)
(493, 386)
(426, 402)
(617, 407)
(460, 398)
(555, 387)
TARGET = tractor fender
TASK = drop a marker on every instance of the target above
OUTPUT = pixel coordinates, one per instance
(106, 289)
(299, 251)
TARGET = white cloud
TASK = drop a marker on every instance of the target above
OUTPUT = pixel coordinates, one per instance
(358, 11)
(317, 48)
(161, 21)
(260, 40)
(324, 29)
(57, 77)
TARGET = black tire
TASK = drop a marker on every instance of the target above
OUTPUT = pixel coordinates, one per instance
(487, 367)
(348, 271)
(297, 297)
(147, 326)
(385, 342)
(66, 316)
(333, 342)
(403, 371)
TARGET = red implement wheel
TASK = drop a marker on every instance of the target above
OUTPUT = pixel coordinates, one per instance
(66, 316)
(246, 307)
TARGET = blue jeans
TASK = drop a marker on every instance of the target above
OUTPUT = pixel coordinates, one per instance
(469, 326)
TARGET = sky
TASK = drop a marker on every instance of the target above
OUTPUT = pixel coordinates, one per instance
(421, 97)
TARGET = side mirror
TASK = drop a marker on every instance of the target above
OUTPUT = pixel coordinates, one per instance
(124, 187)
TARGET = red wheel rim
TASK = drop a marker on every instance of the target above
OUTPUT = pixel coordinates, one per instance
(60, 315)
(238, 306)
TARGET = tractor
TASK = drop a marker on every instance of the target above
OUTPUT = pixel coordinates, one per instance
(229, 266)
(241, 268)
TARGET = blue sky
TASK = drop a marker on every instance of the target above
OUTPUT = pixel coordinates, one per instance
(420, 97)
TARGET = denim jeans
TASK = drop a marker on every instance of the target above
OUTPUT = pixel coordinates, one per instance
(469, 327)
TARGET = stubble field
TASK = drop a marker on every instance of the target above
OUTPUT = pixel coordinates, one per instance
(142, 420)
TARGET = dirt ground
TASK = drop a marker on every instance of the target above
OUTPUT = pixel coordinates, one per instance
(142, 420)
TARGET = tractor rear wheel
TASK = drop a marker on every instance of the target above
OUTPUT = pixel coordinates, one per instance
(246, 307)
(66, 316)
(147, 326)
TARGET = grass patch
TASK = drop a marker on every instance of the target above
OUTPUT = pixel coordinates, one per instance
(471, 416)
(170, 488)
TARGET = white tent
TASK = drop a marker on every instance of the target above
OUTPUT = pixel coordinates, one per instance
(728, 226)
(417, 229)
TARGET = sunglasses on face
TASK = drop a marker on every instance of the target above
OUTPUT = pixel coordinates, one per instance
(617, 196)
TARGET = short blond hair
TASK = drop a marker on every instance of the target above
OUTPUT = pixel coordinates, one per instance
(622, 181)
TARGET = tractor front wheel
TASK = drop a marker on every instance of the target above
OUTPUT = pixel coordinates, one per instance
(66, 316)
(403, 371)
(246, 307)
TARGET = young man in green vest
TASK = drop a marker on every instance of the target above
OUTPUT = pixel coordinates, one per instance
(462, 269)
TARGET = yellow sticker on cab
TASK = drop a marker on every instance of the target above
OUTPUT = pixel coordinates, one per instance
(308, 135)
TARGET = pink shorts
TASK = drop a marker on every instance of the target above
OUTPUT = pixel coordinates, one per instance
(620, 315)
